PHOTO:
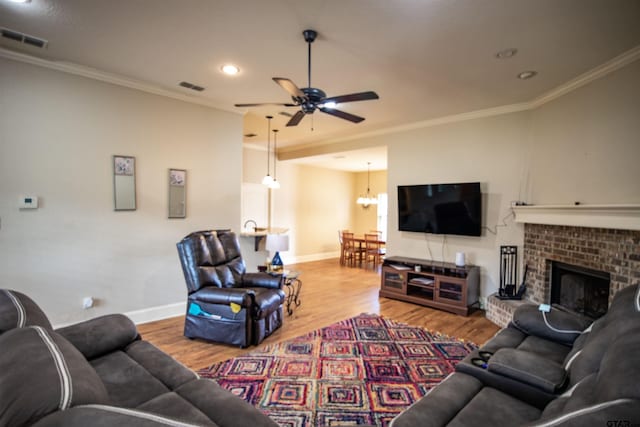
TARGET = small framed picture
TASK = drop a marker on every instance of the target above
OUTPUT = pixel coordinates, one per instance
(124, 183)
(177, 193)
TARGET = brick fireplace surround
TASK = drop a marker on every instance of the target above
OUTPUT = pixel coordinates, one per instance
(616, 252)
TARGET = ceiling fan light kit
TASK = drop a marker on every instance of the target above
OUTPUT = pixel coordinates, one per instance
(310, 99)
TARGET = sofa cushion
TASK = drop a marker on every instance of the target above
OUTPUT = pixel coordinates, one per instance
(128, 383)
(18, 310)
(159, 364)
(108, 416)
(221, 406)
(174, 406)
(43, 373)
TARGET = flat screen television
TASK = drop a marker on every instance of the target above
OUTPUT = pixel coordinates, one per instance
(441, 208)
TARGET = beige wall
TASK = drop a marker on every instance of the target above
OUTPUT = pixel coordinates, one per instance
(313, 203)
(57, 135)
(586, 145)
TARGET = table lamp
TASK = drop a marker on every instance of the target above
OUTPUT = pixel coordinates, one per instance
(276, 243)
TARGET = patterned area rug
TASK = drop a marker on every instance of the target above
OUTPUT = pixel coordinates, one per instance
(363, 370)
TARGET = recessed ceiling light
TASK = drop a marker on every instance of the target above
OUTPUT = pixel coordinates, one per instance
(230, 69)
(20, 1)
(527, 75)
(507, 53)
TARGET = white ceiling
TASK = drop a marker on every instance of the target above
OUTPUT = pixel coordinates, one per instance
(425, 58)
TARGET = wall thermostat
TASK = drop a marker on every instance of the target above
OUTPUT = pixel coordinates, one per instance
(28, 202)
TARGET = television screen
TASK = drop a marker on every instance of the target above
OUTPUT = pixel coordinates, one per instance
(441, 208)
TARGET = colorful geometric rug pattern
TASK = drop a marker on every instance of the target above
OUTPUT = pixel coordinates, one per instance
(363, 370)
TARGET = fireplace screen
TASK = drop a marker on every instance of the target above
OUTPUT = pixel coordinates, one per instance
(580, 290)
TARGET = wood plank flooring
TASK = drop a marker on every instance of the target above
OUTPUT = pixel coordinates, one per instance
(330, 293)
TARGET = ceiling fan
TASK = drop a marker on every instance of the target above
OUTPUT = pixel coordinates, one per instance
(310, 99)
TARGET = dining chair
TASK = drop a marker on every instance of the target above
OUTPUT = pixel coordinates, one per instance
(352, 250)
(373, 250)
(341, 240)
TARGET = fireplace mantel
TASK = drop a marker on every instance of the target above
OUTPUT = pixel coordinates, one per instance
(622, 217)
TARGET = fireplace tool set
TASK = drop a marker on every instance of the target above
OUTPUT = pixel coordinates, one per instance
(509, 274)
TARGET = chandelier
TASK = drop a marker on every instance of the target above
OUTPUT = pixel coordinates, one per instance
(367, 199)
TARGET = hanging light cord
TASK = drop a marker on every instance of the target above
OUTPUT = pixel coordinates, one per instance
(268, 142)
(275, 152)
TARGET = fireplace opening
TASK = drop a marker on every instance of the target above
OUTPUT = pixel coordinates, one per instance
(580, 290)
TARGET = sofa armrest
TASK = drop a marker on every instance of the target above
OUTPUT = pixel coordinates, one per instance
(225, 296)
(262, 280)
(101, 335)
(529, 368)
(556, 325)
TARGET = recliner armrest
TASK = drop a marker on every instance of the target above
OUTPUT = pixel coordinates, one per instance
(262, 280)
(529, 368)
(101, 335)
(214, 295)
(556, 325)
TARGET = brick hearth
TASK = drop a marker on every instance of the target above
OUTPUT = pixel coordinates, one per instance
(616, 252)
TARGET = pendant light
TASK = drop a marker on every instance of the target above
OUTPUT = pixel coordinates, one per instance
(367, 199)
(275, 184)
(267, 180)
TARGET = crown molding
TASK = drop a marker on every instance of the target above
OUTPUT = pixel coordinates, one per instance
(608, 67)
(92, 73)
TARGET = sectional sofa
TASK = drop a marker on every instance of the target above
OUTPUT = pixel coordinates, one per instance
(101, 373)
(545, 369)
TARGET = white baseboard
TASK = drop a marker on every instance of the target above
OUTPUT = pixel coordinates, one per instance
(160, 312)
(308, 258)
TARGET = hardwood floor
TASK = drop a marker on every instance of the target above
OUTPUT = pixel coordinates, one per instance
(330, 293)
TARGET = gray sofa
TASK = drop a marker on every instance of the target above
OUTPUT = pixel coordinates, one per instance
(555, 369)
(101, 373)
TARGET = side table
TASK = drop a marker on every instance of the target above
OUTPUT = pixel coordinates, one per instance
(292, 286)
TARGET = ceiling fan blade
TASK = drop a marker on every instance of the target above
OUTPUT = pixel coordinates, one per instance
(290, 87)
(296, 118)
(343, 115)
(352, 97)
(265, 103)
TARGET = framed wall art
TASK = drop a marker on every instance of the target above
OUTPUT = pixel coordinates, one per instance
(177, 193)
(124, 183)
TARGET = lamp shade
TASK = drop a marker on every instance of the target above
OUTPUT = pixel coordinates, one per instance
(277, 242)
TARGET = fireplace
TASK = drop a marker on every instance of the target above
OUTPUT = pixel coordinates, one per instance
(580, 290)
(612, 251)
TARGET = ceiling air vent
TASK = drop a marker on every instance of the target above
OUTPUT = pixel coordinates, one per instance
(192, 86)
(23, 38)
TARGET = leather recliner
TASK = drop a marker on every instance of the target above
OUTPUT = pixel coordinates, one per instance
(226, 304)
